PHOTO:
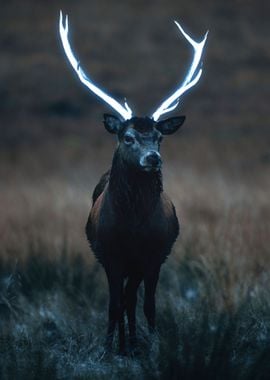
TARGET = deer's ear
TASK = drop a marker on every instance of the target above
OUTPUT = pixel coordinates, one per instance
(112, 123)
(171, 125)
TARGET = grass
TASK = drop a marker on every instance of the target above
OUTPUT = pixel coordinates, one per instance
(213, 301)
(53, 318)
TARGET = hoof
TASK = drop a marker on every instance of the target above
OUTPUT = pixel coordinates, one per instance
(133, 347)
(122, 352)
(134, 352)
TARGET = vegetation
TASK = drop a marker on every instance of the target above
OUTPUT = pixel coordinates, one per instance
(53, 317)
(213, 301)
(213, 297)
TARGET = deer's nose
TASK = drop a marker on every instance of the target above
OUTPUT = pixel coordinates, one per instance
(153, 158)
(151, 161)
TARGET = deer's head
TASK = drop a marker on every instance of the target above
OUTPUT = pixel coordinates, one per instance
(139, 137)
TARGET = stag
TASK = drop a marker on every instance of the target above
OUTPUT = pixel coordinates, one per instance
(132, 224)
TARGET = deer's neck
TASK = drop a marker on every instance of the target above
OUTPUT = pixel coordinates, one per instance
(134, 193)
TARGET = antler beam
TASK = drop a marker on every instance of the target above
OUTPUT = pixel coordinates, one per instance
(124, 111)
(191, 79)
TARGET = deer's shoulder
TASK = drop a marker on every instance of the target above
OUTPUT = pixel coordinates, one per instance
(100, 187)
(167, 206)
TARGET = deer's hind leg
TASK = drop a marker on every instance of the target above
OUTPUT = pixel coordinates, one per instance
(150, 284)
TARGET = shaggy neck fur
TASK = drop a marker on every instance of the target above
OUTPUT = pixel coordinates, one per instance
(134, 193)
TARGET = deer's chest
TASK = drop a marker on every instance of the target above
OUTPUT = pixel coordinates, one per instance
(136, 234)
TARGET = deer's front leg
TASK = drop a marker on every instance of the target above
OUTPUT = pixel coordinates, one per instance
(121, 322)
(131, 288)
(115, 282)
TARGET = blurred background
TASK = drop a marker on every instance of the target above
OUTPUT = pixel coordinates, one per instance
(54, 148)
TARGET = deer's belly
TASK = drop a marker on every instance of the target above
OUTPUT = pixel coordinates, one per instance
(136, 245)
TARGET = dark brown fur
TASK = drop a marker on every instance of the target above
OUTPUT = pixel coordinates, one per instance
(131, 228)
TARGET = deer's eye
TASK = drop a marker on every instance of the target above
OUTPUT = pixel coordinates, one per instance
(129, 140)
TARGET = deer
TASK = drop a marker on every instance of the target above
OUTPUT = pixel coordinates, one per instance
(132, 225)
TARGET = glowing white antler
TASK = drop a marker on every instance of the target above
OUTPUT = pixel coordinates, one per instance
(125, 112)
(191, 79)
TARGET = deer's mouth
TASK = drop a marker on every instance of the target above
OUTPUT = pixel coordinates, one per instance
(151, 168)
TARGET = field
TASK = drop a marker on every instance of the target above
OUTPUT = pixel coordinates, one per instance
(213, 297)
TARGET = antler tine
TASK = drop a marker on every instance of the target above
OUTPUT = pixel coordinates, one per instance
(191, 79)
(125, 112)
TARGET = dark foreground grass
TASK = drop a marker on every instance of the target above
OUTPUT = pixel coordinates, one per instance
(53, 321)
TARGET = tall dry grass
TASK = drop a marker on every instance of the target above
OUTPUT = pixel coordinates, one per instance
(213, 294)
